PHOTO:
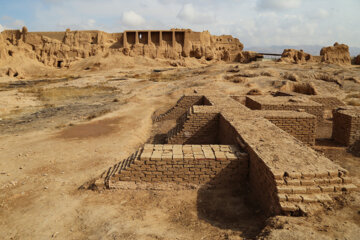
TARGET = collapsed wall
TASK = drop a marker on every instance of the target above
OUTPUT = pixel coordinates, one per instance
(339, 54)
(336, 54)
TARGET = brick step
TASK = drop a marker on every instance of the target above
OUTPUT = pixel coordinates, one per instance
(314, 182)
(290, 208)
(118, 168)
(316, 189)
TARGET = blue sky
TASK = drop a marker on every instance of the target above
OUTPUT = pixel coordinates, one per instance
(254, 22)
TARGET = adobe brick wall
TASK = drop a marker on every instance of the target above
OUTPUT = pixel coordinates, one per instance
(198, 164)
(346, 125)
(181, 107)
(329, 103)
(280, 183)
(301, 125)
(198, 126)
(285, 103)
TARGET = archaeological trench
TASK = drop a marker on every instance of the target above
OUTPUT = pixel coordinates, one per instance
(261, 144)
(264, 145)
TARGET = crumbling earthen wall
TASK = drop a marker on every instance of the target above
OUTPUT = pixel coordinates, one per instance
(339, 53)
(346, 125)
(60, 49)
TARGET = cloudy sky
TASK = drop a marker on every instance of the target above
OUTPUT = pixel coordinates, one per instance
(254, 22)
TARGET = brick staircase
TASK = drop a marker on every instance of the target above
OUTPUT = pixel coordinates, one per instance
(306, 193)
(117, 169)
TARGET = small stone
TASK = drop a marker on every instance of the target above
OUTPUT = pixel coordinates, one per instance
(45, 187)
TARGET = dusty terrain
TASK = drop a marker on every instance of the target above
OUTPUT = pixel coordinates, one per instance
(64, 127)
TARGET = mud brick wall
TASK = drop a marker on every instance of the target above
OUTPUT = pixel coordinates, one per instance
(198, 164)
(198, 126)
(182, 105)
(262, 184)
(227, 133)
(309, 107)
(302, 128)
(329, 103)
(346, 126)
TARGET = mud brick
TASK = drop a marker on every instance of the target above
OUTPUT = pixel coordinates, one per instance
(333, 173)
(321, 174)
(158, 147)
(220, 157)
(231, 156)
(145, 156)
(282, 197)
(308, 198)
(178, 157)
(323, 198)
(346, 180)
(280, 182)
(155, 157)
(349, 187)
(335, 180)
(294, 175)
(313, 190)
(188, 157)
(199, 157)
(294, 198)
(278, 175)
(327, 188)
(288, 207)
(167, 147)
(292, 182)
(284, 189)
(321, 181)
(298, 190)
(307, 182)
(148, 146)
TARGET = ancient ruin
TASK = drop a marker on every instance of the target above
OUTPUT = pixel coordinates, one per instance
(60, 49)
(219, 141)
(337, 54)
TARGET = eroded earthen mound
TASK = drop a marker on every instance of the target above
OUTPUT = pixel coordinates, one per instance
(339, 54)
(296, 56)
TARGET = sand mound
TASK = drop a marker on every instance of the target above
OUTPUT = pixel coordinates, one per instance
(338, 54)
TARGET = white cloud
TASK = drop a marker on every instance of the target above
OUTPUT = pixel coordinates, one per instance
(132, 19)
(277, 4)
(1, 28)
(189, 14)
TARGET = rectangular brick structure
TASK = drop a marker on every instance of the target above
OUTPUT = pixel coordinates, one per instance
(293, 103)
(346, 125)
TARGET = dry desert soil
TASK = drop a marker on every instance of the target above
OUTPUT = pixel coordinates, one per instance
(63, 129)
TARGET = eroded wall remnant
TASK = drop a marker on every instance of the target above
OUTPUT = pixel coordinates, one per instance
(60, 49)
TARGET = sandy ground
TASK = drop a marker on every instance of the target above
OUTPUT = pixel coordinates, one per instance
(58, 133)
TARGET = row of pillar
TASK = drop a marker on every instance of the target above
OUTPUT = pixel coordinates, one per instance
(148, 38)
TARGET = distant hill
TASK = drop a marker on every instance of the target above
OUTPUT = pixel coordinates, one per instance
(312, 49)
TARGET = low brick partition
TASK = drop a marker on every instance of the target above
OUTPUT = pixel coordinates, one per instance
(293, 103)
(346, 125)
(181, 106)
(301, 125)
(329, 103)
(198, 126)
(198, 164)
